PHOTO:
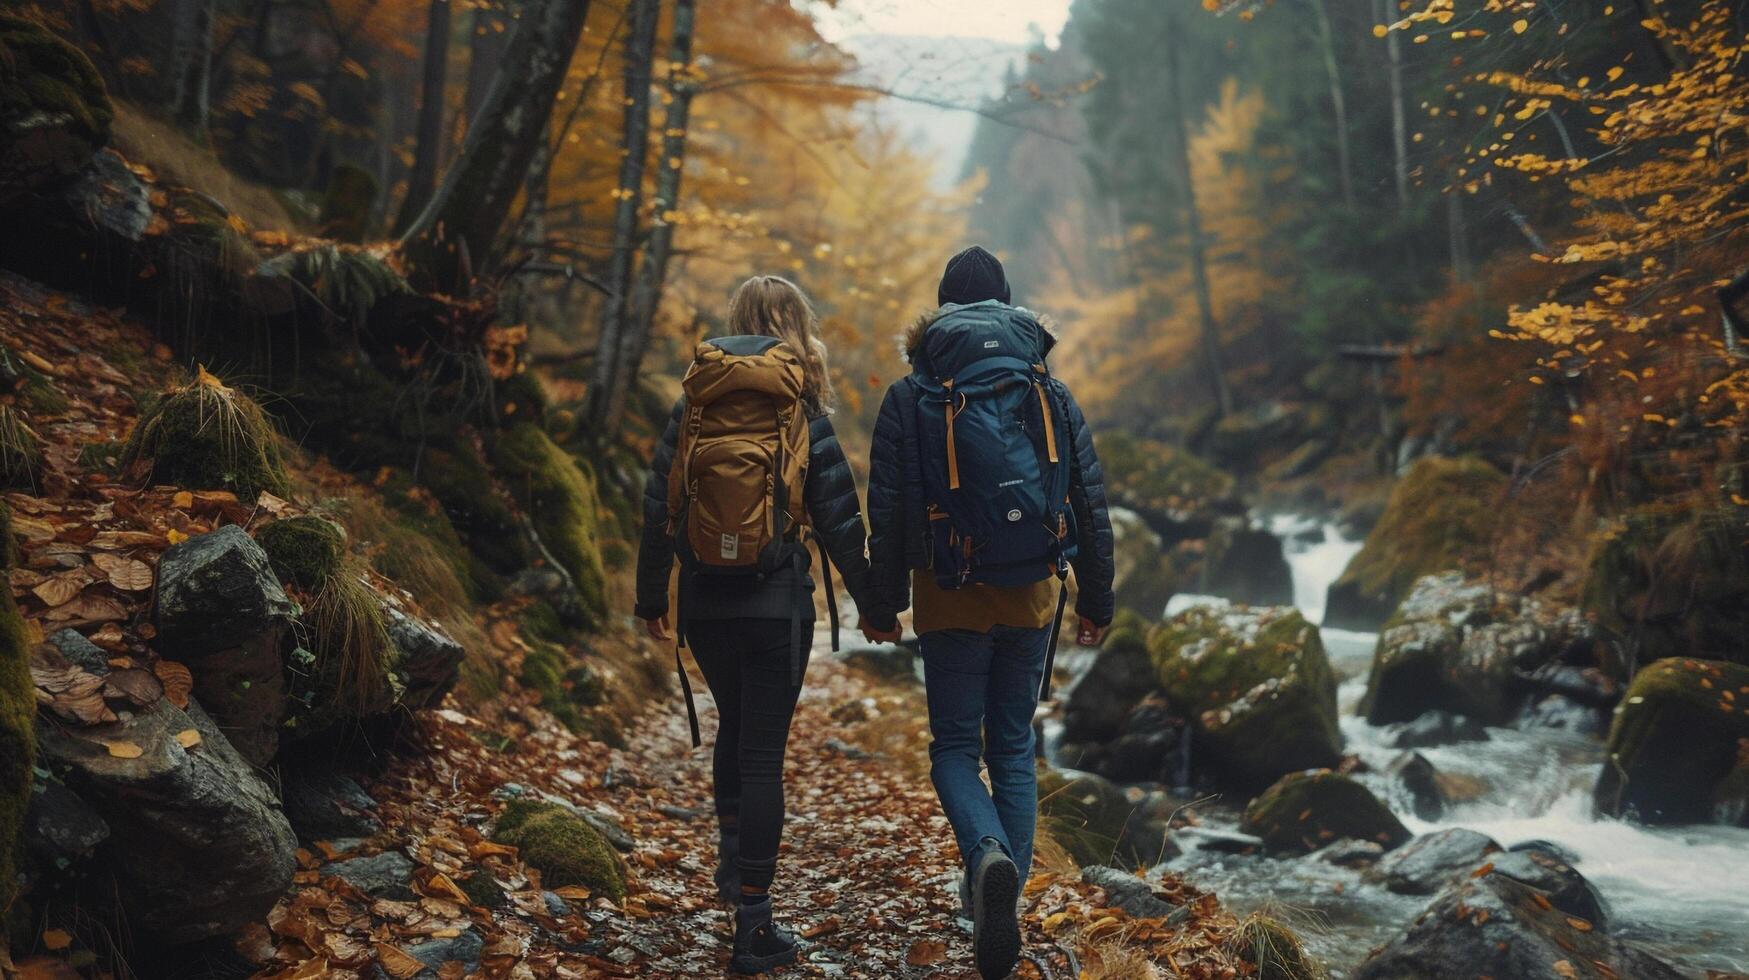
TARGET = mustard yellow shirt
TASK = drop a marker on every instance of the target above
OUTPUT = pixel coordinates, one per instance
(980, 607)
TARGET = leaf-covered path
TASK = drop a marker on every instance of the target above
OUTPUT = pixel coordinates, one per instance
(865, 878)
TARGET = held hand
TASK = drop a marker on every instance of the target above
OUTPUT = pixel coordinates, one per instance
(658, 628)
(1090, 635)
(873, 635)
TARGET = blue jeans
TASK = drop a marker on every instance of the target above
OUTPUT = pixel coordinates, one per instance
(983, 690)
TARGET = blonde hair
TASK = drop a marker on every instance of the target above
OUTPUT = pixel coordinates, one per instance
(772, 306)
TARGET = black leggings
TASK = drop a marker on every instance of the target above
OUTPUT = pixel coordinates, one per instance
(747, 664)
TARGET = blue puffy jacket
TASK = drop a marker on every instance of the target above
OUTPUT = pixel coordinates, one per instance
(898, 533)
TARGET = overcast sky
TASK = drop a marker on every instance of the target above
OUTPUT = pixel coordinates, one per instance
(1005, 20)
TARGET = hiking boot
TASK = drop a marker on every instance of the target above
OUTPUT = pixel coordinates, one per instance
(760, 945)
(728, 874)
(995, 913)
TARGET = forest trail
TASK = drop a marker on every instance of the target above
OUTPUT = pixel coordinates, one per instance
(865, 877)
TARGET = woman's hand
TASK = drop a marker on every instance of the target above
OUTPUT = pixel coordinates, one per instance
(658, 628)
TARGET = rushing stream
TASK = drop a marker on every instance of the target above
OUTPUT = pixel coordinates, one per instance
(1682, 892)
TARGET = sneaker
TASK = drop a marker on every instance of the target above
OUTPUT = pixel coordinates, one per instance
(728, 874)
(995, 918)
(760, 945)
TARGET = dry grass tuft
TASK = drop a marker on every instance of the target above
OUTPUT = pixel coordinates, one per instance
(351, 638)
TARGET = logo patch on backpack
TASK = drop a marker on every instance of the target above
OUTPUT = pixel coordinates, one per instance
(1014, 515)
(992, 344)
(731, 546)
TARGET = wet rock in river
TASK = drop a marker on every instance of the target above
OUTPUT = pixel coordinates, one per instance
(1425, 864)
(1144, 574)
(1304, 811)
(1255, 686)
(1460, 647)
(1246, 564)
(1495, 925)
(1096, 708)
(1415, 775)
(1676, 743)
(1552, 874)
(1436, 728)
(1350, 853)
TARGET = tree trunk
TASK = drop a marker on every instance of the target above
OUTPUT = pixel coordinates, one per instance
(458, 231)
(640, 48)
(194, 68)
(647, 294)
(427, 157)
(1399, 124)
(1460, 240)
(1338, 101)
(488, 37)
(1205, 306)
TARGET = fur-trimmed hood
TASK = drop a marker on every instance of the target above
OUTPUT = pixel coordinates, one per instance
(912, 338)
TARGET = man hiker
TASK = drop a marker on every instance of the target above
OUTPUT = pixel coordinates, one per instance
(984, 489)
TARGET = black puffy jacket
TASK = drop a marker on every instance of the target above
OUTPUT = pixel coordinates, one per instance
(833, 511)
(898, 534)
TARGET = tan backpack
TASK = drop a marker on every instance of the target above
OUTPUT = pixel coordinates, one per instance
(735, 495)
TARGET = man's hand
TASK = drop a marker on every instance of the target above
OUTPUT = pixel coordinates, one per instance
(873, 635)
(658, 628)
(1089, 634)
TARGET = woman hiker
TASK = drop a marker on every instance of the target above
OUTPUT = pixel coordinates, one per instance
(751, 432)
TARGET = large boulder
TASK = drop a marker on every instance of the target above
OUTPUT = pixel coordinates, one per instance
(1242, 439)
(1677, 738)
(1545, 868)
(1425, 864)
(567, 848)
(54, 110)
(1674, 583)
(221, 610)
(1460, 647)
(1256, 687)
(1305, 811)
(1440, 516)
(1097, 706)
(1150, 747)
(1496, 926)
(429, 660)
(1246, 564)
(1177, 494)
(197, 842)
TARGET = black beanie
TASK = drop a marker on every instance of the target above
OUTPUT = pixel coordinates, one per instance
(972, 276)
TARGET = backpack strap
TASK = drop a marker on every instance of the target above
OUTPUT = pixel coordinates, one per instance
(831, 596)
(1044, 693)
(680, 668)
(1044, 405)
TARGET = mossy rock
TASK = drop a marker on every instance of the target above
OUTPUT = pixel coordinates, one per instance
(17, 723)
(304, 551)
(1274, 949)
(564, 688)
(1440, 516)
(559, 495)
(206, 436)
(1304, 811)
(1674, 582)
(1256, 686)
(1145, 576)
(1166, 485)
(54, 109)
(1676, 742)
(1241, 439)
(563, 846)
(1099, 822)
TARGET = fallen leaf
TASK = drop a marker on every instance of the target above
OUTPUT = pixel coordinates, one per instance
(1578, 923)
(58, 590)
(1563, 968)
(183, 500)
(126, 574)
(57, 939)
(110, 638)
(122, 749)
(175, 536)
(176, 680)
(573, 893)
(136, 684)
(443, 887)
(925, 952)
(188, 738)
(396, 962)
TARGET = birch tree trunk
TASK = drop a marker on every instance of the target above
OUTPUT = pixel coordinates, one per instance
(604, 402)
(1205, 306)
(646, 295)
(427, 158)
(458, 231)
(194, 68)
(1338, 100)
(1399, 123)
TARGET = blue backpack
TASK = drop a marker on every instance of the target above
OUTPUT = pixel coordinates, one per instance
(993, 439)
